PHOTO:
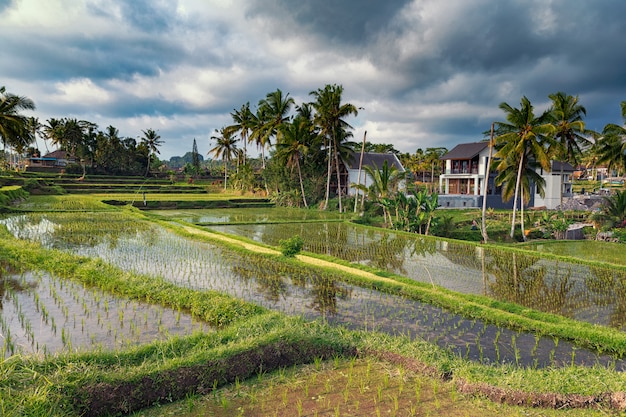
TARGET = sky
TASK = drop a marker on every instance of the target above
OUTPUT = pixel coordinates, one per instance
(425, 73)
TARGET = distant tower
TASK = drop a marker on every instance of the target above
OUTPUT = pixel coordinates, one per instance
(195, 157)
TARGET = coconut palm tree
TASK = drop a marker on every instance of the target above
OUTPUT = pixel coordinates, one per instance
(521, 139)
(14, 131)
(329, 117)
(294, 145)
(273, 111)
(570, 134)
(384, 184)
(225, 148)
(152, 141)
(242, 124)
(612, 144)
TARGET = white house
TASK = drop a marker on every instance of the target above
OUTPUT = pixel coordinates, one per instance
(463, 178)
(558, 180)
(370, 159)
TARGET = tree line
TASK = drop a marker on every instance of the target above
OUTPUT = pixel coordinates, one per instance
(302, 145)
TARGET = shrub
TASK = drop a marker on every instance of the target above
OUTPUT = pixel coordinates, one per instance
(292, 246)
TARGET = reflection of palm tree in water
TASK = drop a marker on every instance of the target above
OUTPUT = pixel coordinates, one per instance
(2, 290)
(389, 254)
(609, 287)
(325, 294)
(518, 280)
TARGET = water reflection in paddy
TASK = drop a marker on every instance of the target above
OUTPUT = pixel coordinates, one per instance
(150, 249)
(594, 294)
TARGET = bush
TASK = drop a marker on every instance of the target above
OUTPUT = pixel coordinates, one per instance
(292, 246)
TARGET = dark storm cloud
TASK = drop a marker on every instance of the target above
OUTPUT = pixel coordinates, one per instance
(349, 22)
(428, 72)
(147, 15)
(5, 4)
(97, 58)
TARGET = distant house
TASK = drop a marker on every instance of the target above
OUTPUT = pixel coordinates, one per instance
(54, 159)
(371, 159)
(558, 180)
(462, 181)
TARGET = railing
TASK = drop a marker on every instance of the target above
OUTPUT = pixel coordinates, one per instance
(462, 171)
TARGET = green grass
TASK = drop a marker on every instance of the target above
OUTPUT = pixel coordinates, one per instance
(56, 386)
(589, 250)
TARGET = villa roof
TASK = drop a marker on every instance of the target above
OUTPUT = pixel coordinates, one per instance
(58, 154)
(567, 167)
(466, 150)
(373, 159)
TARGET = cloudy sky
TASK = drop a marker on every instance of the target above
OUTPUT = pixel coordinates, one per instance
(426, 72)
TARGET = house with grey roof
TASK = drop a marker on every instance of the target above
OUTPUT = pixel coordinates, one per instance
(464, 176)
(375, 160)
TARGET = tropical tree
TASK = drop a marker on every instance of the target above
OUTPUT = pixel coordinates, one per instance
(296, 137)
(414, 163)
(243, 122)
(14, 127)
(272, 112)
(570, 134)
(53, 131)
(329, 117)
(152, 141)
(522, 139)
(432, 158)
(225, 148)
(384, 185)
(612, 145)
(35, 128)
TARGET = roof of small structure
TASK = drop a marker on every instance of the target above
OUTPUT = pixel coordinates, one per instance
(373, 159)
(567, 167)
(58, 154)
(466, 150)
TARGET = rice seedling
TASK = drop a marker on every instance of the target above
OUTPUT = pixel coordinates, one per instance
(145, 248)
(47, 305)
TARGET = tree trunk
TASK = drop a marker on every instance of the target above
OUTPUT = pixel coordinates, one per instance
(358, 180)
(301, 184)
(338, 177)
(522, 213)
(483, 228)
(225, 173)
(517, 185)
(329, 173)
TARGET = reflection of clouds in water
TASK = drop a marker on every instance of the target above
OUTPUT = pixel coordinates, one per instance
(23, 227)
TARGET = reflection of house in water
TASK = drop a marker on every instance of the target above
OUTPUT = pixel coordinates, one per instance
(463, 178)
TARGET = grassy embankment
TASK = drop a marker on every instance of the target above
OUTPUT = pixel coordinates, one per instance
(70, 381)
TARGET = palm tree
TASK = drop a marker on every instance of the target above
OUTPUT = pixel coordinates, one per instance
(294, 145)
(521, 139)
(34, 126)
(329, 115)
(14, 131)
(384, 184)
(433, 159)
(243, 123)
(53, 131)
(570, 133)
(612, 145)
(152, 141)
(226, 148)
(272, 112)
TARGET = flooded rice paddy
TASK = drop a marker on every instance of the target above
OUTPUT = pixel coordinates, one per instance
(41, 314)
(593, 294)
(147, 248)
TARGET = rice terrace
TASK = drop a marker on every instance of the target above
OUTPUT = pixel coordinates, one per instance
(154, 304)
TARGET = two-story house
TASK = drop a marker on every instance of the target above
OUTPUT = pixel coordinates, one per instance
(464, 176)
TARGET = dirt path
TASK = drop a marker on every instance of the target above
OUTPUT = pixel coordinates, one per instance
(303, 258)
